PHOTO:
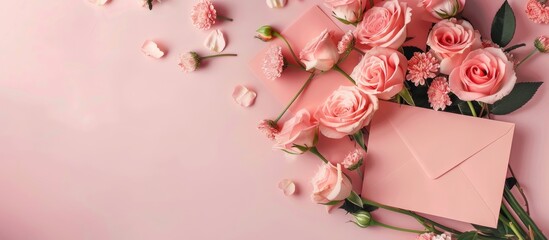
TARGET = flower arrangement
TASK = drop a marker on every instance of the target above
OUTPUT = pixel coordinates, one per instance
(460, 71)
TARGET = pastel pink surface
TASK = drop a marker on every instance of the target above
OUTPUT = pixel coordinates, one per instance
(438, 163)
(98, 141)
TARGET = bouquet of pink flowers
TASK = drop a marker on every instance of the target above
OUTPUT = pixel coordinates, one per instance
(460, 71)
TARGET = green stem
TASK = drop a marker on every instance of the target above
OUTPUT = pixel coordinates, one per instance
(359, 51)
(315, 151)
(527, 57)
(472, 108)
(521, 191)
(513, 222)
(278, 35)
(524, 217)
(295, 97)
(338, 69)
(219, 55)
(419, 218)
(224, 18)
(375, 223)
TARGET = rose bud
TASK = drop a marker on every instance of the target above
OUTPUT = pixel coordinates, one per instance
(265, 33)
(442, 9)
(542, 44)
(363, 219)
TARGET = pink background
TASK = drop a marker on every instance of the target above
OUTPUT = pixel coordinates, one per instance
(98, 141)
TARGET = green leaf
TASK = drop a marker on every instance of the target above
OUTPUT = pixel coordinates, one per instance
(473, 235)
(410, 50)
(150, 3)
(359, 139)
(489, 231)
(466, 110)
(405, 94)
(331, 203)
(355, 199)
(503, 25)
(520, 95)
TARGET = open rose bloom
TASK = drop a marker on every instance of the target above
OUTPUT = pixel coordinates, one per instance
(384, 25)
(321, 53)
(300, 130)
(485, 75)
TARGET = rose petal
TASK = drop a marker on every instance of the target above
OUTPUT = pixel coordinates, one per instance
(276, 3)
(98, 2)
(151, 49)
(287, 186)
(244, 96)
(215, 41)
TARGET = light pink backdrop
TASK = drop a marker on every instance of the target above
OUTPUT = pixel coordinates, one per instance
(98, 141)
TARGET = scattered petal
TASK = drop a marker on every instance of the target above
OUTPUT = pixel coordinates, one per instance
(215, 41)
(244, 96)
(287, 186)
(276, 3)
(151, 49)
(99, 2)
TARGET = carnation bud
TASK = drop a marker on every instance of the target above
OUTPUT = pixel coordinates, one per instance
(542, 44)
(265, 33)
(363, 219)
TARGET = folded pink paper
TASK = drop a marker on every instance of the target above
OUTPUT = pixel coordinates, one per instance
(437, 163)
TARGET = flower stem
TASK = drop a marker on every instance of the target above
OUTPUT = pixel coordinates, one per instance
(315, 151)
(219, 55)
(295, 97)
(521, 191)
(424, 221)
(278, 35)
(527, 57)
(472, 108)
(224, 18)
(522, 214)
(512, 222)
(359, 51)
(376, 223)
(338, 69)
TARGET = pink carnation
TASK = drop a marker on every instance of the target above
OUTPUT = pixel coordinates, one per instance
(438, 94)
(432, 236)
(353, 159)
(422, 66)
(273, 63)
(189, 62)
(537, 12)
(269, 128)
(345, 42)
(203, 15)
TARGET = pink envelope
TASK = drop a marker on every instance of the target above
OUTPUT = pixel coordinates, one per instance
(305, 28)
(437, 163)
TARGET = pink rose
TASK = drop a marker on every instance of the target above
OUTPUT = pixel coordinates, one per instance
(451, 40)
(320, 53)
(345, 112)
(300, 130)
(381, 72)
(442, 9)
(330, 184)
(384, 25)
(486, 75)
(348, 10)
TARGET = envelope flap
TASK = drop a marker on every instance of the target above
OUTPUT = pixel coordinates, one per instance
(440, 141)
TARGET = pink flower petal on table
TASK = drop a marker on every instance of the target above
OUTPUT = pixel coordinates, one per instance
(244, 96)
(99, 2)
(276, 3)
(151, 49)
(215, 41)
(287, 186)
